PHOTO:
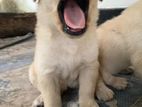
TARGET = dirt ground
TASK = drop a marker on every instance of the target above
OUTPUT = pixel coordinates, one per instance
(15, 88)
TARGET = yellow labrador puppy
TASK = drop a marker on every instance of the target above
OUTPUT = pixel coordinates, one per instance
(66, 51)
(120, 41)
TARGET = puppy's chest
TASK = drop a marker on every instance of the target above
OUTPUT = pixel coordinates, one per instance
(69, 65)
(68, 58)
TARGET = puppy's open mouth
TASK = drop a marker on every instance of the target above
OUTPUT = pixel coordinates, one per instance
(73, 15)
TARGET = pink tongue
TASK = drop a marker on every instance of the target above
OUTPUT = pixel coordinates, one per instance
(73, 15)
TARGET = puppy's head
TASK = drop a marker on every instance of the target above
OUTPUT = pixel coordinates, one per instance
(71, 16)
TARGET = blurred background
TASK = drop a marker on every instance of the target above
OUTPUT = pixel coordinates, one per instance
(115, 3)
(30, 6)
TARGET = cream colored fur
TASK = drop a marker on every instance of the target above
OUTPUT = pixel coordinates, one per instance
(61, 61)
(17, 6)
(120, 41)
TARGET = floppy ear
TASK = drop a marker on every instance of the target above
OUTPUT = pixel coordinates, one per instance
(36, 1)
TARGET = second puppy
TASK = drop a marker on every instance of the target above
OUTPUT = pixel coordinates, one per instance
(120, 41)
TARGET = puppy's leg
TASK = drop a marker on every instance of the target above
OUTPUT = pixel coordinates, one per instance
(33, 75)
(87, 83)
(38, 102)
(49, 87)
(116, 82)
(137, 64)
(103, 92)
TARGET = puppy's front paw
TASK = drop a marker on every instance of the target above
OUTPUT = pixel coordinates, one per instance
(104, 93)
(119, 83)
(88, 103)
(38, 102)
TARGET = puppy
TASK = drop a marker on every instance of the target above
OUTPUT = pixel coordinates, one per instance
(66, 51)
(120, 43)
